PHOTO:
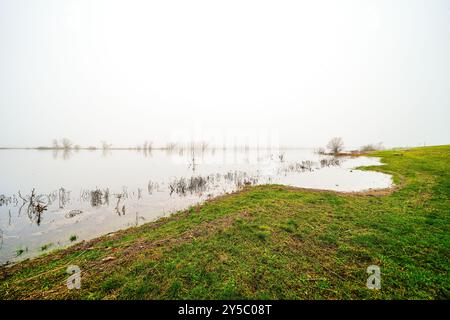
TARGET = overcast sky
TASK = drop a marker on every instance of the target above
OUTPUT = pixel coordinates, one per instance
(129, 71)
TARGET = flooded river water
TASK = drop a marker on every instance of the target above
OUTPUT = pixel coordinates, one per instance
(50, 199)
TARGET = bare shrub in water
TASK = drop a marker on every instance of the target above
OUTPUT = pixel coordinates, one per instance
(372, 147)
(106, 145)
(240, 178)
(204, 146)
(320, 151)
(152, 186)
(96, 198)
(106, 196)
(179, 186)
(117, 208)
(298, 166)
(171, 146)
(330, 162)
(66, 144)
(6, 201)
(37, 204)
(63, 197)
(55, 144)
(195, 184)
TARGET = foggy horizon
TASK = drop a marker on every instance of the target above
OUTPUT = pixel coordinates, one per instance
(269, 152)
(136, 71)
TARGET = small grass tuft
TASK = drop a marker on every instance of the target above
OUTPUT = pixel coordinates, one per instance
(46, 246)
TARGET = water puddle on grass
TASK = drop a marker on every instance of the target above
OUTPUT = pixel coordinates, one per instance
(49, 200)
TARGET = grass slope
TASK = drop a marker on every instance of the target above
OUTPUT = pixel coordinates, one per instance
(271, 242)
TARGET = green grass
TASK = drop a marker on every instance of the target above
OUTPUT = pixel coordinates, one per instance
(271, 242)
(73, 238)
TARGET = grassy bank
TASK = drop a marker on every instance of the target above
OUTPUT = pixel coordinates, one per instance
(271, 242)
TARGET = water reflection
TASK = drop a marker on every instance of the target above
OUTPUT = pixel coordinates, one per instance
(190, 152)
(328, 162)
(152, 187)
(35, 205)
(197, 185)
(159, 186)
(64, 154)
(120, 210)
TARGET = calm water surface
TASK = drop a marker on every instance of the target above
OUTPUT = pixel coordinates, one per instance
(46, 196)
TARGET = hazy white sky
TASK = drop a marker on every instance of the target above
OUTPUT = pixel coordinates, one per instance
(127, 71)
